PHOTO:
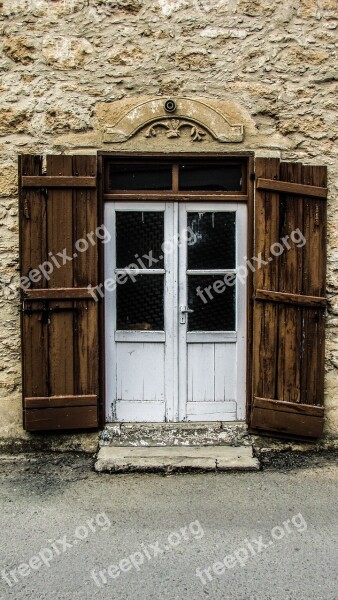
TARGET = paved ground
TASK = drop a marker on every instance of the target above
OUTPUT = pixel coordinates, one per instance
(61, 524)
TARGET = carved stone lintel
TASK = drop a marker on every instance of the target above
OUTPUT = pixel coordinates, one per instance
(196, 114)
(173, 127)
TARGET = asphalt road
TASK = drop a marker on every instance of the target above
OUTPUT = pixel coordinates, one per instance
(68, 533)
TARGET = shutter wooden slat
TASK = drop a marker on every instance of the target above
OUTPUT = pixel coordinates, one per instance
(287, 298)
(60, 233)
(60, 318)
(35, 367)
(60, 209)
(60, 401)
(59, 419)
(314, 282)
(33, 250)
(290, 280)
(292, 188)
(92, 275)
(288, 417)
(85, 272)
(265, 317)
(289, 303)
(58, 293)
(34, 218)
(54, 181)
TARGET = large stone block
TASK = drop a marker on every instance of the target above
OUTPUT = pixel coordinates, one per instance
(63, 51)
(40, 8)
(256, 8)
(20, 48)
(58, 121)
(14, 120)
(8, 180)
(112, 6)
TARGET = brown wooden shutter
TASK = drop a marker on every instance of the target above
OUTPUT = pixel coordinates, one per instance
(289, 300)
(59, 317)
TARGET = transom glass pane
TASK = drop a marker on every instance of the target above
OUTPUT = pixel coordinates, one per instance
(140, 177)
(213, 178)
(214, 241)
(140, 303)
(139, 237)
(210, 314)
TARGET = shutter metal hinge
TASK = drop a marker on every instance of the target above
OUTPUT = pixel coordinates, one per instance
(317, 215)
(46, 311)
(26, 208)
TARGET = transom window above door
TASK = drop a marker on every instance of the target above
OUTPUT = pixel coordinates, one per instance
(176, 177)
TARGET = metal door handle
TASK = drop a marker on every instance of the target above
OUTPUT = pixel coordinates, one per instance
(186, 309)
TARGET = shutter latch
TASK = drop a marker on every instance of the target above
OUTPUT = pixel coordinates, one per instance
(46, 311)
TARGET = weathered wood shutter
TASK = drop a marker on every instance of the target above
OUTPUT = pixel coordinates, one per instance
(289, 300)
(59, 316)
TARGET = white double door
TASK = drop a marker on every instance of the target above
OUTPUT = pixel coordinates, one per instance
(175, 311)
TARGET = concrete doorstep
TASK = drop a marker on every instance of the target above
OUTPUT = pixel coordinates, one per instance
(173, 458)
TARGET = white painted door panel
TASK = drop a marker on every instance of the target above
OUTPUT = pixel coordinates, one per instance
(201, 373)
(140, 371)
(225, 373)
(212, 366)
(131, 411)
(211, 411)
(211, 372)
(140, 358)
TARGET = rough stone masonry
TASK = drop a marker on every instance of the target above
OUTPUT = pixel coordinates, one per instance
(69, 65)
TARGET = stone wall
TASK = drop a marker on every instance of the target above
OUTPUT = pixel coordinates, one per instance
(268, 64)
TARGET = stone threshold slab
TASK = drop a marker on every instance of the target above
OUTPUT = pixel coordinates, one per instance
(171, 459)
(175, 434)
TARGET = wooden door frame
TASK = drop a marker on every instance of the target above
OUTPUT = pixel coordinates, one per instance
(248, 157)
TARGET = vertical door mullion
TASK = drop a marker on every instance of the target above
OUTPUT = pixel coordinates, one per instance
(182, 328)
(175, 266)
(170, 300)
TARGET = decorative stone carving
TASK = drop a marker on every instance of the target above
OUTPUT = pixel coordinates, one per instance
(196, 114)
(173, 127)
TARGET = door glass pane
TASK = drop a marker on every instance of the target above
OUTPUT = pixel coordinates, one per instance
(139, 237)
(211, 314)
(213, 178)
(213, 244)
(140, 302)
(140, 177)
